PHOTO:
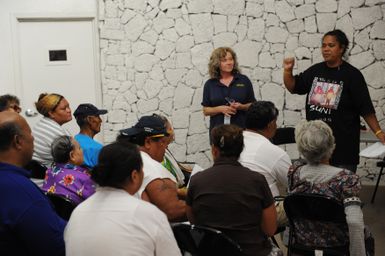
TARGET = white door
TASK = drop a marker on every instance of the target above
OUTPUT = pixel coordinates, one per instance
(57, 56)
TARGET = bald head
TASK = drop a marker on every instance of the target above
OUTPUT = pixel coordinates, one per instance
(16, 144)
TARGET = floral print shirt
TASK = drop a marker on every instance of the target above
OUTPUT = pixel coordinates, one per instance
(344, 184)
(73, 182)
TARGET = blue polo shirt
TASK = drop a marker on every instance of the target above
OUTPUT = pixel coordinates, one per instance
(214, 94)
(91, 149)
(28, 223)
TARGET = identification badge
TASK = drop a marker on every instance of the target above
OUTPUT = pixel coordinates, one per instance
(227, 120)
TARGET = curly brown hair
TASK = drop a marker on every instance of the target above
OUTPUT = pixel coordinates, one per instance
(215, 61)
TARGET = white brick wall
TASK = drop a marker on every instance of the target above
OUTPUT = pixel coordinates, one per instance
(154, 56)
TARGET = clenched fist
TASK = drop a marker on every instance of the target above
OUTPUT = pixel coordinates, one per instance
(288, 64)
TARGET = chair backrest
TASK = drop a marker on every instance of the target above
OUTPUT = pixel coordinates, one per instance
(283, 135)
(62, 205)
(37, 169)
(318, 210)
(314, 207)
(204, 241)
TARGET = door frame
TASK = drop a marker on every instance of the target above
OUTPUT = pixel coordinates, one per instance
(17, 18)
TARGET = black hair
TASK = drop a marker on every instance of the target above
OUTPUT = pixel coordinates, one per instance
(260, 114)
(6, 100)
(340, 37)
(116, 163)
(228, 139)
(61, 148)
(81, 121)
(137, 139)
(8, 131)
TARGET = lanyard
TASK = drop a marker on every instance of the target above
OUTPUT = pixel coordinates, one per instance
(230, 87)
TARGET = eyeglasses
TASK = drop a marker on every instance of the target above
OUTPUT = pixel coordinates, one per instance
(15, 107)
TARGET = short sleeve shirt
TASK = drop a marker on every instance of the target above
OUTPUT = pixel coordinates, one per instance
(214, 94)
(337, 96)
(91, 149)
(152, 170)
(231, 198)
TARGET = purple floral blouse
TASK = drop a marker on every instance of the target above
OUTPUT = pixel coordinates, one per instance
(71, 181)
(343, 185)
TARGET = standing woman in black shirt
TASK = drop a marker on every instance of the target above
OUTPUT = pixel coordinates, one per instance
(227, 94)
(338, 95)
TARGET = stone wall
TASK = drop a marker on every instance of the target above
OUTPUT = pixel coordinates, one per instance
(154, 56)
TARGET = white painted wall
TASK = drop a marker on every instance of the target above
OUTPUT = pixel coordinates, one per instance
(7, 10)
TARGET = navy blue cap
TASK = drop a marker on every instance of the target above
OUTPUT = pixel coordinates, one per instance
(149, 125)
(88, 109)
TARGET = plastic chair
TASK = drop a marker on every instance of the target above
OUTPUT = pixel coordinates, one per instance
(284, 135)
(382, 165)
(62, 205)
(204, 241)
(316, 209)
(37, 169)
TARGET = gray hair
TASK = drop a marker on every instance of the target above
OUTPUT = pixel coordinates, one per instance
(315, 140)
(61, 148)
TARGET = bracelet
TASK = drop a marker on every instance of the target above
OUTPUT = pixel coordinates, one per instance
(378, 132)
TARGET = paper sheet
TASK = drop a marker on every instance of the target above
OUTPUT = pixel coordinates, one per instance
(373, 151)
(195, 170)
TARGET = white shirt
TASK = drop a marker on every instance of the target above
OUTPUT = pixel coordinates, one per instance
(176, 168)
(152, 170)
(262, 156)
(112, 222)
(44, 132)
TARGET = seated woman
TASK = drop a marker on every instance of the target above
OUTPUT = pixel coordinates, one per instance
(316, 143)
(232, 198)
(66, 177)
(56, 111)
(113, 221)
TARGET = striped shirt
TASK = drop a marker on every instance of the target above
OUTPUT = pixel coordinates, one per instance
(45, 131)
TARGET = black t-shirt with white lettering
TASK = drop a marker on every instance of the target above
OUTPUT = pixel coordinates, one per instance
(338, 96)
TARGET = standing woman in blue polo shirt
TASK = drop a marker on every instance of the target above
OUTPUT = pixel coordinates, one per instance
(227, 94)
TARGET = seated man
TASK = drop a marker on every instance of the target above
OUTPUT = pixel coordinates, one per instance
(28, 223)
(88, 118)
(260, 155)
(232, 198)
(9, 103)
(159, 185)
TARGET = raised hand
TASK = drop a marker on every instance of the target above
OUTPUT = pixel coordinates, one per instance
(288, 64)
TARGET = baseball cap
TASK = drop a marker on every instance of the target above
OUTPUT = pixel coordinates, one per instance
(87, 109)
(149, 125)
